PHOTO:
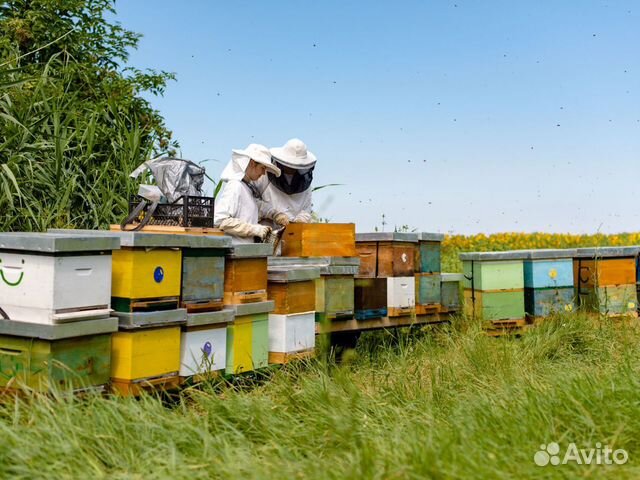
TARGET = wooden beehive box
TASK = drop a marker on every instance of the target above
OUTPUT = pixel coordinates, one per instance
(203, 265)
(370, 298)
(248, 338)
(548, 281)
(73, 356)
(428, 288)
(428, 256)
(203, 343)
(145, 354)
(50, 278)
(450, 288)
(503, 305)
(245, 274)
(401, 296)
(386, 254)
(612, 300)
(542, 302)
(489, 271)
(292, 288)
(290, 334)
(334, 297)
(319, 240)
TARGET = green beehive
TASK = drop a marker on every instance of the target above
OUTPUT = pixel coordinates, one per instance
(51, 356)
(429, 252)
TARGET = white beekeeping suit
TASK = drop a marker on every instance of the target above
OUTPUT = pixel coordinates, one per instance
(236, 207)
(288, 198)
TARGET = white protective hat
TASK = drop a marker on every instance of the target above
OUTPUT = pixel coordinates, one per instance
(294, 154)
(258, 153)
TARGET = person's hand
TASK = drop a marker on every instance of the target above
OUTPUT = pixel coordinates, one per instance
(261, 231)
(281, 219)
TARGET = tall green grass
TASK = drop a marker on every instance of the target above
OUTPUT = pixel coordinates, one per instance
(443, 402)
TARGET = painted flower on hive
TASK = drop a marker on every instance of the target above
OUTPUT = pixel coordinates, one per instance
(553, 273)
(631, 305)
(568, 307)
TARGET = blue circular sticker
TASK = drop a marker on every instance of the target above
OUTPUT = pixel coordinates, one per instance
(158, 274)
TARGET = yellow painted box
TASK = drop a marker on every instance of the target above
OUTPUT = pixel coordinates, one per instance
(247, 343)
(140, 273)
(145, 353)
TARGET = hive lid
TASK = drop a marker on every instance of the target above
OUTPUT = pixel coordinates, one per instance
(60, 331)
(451, 277)
(252, 308)
(251, 250)
(54, 242)
(164, 318)
(339, 270)
(430, 237)
(491, 256)
(387, 237)
(551, 253)
(602, 252)
(314, 261)
(157, 240)
(210, 318)
(292, 273)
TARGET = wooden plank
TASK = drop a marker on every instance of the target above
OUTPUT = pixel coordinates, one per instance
(378, 323)
(127, 388)
(428, 309)
(319, 240)
(175, 229)
(284, 358)
(203, 306)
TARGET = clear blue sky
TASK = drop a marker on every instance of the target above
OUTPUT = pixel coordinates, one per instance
(452, 116)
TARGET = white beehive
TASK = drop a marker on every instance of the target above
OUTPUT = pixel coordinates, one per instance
(401, 292)
(50, 278)
(203, 343)
(292, 333)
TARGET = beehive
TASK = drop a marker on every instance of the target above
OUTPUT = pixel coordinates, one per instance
(450, 291)
(401, 296)
(428, 258)
(370, 298)
(428, 290)
(73, 356)
(319, 240)
(248, 338)
(146, 271)
(50, 278)
(145, 354)
(203, 344)
(605, 279)
(548, 282)
(292, 322)
(245, 274)
(494, 285)
(334, 290)
(386, 254)
(203, 263)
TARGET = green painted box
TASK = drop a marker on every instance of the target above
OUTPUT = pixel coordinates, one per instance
(247, 343)
(494, 275)
(505, 305)
(202, 275)
(451, 292)
(618, 300)
(70, 363)
(334, 297)
(428, 288)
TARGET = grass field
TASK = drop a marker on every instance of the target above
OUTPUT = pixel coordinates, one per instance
(440, 403)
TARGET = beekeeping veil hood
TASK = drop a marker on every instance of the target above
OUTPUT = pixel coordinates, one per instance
(298, 164)
(175, 177)
(236, 168)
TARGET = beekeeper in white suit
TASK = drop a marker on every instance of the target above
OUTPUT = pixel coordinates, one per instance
(236, 207)
(287, 198)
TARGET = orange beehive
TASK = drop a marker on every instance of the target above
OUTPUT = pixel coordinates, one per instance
(319, 240)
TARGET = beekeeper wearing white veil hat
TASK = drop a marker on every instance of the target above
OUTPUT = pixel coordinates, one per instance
(287, 198)
(236, 208)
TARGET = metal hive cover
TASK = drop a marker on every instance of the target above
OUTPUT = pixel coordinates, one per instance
(251, 250)
(387, 237)
(292, 273)
(55, 242)
(602, 252)
(430, 237)
(493, 256)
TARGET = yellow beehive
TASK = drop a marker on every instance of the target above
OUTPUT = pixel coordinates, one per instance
(145, 353)
(139, 273)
